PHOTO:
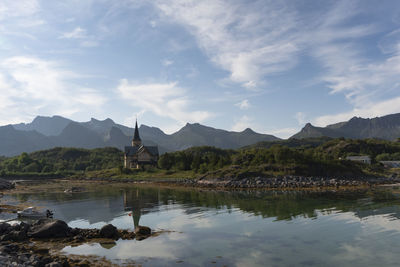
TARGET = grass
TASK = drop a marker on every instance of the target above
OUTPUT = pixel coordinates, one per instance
(150, 174)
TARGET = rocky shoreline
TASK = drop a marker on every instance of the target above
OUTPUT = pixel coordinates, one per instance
(272, 183)
(29, 244)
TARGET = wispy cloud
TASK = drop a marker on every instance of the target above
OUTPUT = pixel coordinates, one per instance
(244, 104)
(77, 33)
(80, 34)
(30, 86)
(162, 99)
(249, 41)
(253, 41)
(21, 8)
(167, 62)
(300, 117)
(242, 123)
(17, 16)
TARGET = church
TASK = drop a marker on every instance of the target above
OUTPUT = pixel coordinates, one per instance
(138, 155)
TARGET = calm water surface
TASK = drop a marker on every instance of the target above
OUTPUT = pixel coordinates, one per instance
(237, 228)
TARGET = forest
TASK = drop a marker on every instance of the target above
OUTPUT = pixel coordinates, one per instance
(307, 157)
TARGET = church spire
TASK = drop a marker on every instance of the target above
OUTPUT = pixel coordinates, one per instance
(136, 141)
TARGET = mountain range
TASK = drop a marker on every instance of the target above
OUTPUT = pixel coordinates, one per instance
(47, 132)
(386, 127)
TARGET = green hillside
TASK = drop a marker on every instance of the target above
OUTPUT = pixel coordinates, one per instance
(61, 161)
(306, 157)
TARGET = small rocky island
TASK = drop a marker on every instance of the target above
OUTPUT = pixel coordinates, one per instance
(39, 243)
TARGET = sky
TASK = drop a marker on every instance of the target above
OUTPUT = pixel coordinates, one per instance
(268, 65)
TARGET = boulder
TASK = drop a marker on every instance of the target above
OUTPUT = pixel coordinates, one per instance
(4, 184)
(4, 227)
(109, 231)
(49, 228)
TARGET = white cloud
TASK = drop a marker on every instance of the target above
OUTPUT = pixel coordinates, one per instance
(249, 41)
(167, 62)
(30, 86)
(242, 123)
(153, 23)
(89, 43)
(77, 33)
(80, 34)
(256, 40)
(300, 117)
(244, 104)
(163, 99)
(20, 8)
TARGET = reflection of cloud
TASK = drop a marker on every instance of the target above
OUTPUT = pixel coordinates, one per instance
(157, 247)
(180, 221)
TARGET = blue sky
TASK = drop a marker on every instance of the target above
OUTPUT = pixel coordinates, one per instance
(268, 65)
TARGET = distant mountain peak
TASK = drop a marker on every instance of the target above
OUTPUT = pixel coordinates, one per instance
(248, 130)
(386, 127)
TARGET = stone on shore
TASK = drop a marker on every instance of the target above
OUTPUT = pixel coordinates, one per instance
(109, 231)
(49, 228)
(4, 184)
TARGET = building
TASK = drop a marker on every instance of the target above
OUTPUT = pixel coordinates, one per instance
(362, 159)
(391, 163)
(138, 155)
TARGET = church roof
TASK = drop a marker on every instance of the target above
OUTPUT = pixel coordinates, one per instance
(133, 150)
(152, 150)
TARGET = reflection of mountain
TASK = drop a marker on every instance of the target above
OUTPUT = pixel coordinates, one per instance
(92, 210)
(105, 204)
(392, 211)
(101, 206)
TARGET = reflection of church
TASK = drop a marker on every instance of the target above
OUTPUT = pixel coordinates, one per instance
(138, 154)
(139, 202)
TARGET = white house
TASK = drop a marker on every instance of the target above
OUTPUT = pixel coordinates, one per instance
(362, 159)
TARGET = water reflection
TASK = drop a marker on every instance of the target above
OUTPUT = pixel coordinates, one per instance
(238, 228)
(106, 204)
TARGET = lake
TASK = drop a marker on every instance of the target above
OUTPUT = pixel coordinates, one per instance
(245, 228)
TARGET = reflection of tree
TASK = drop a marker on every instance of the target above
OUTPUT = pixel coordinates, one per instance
(106, 203)
(281, 205)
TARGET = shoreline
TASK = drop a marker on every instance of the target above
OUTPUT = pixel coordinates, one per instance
(283, 183)
(264, 183)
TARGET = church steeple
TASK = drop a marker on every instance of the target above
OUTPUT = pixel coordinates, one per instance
(136, 141)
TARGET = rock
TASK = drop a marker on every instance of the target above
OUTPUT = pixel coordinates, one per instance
(142, 230)
(74, 189)
(53, 264)
(109, 231)
(4, 228)
(4, 184)
(14, 236)
(48, 228)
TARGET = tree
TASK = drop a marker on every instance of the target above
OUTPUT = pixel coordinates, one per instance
(165, 161)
